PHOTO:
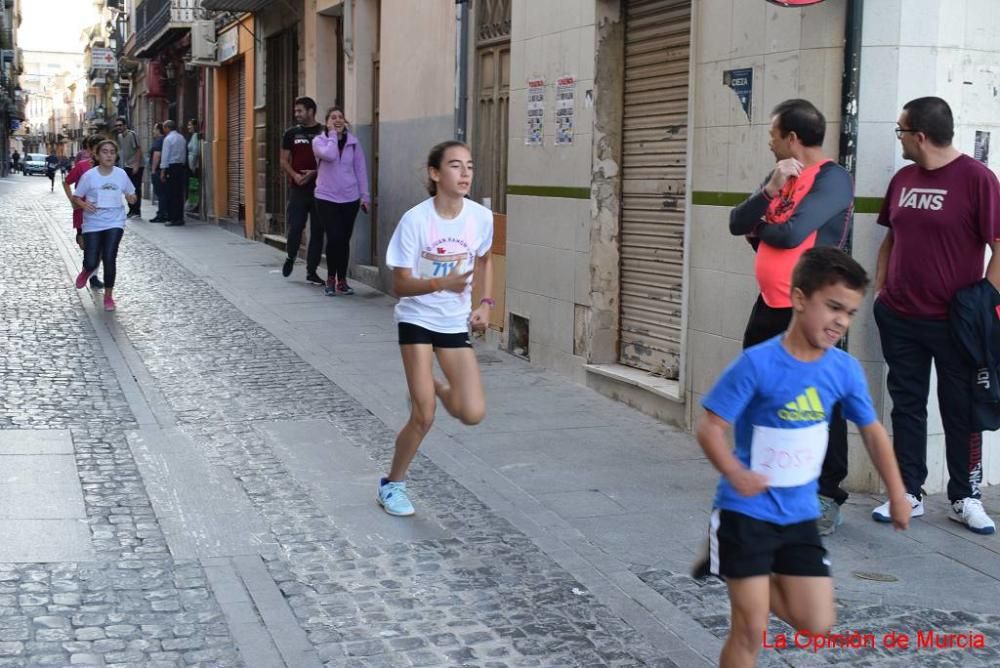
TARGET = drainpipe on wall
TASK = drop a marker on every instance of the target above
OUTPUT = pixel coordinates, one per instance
(850, 90)
(348, 32)
(461, 67)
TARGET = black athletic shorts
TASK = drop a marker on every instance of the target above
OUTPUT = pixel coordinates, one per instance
(740, 546)
(410, 334)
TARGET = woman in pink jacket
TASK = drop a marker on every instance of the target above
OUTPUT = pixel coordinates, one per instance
(341, 188)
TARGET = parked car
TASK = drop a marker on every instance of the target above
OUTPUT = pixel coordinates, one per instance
(34, 163)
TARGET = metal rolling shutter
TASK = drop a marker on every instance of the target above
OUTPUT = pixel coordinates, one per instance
(657, 43)
(236, 112)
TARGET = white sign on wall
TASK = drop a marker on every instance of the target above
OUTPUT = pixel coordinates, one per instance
(536, 112)
(565, 110)
(102, 59)
(229, 44)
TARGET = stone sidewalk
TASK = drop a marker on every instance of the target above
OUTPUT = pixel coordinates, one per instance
(617, 499)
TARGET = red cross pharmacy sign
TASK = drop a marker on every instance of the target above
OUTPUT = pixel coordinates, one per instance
(102, 59)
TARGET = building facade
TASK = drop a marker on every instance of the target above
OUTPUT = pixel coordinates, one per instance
(51, 83)
(12, 99)
(621, 265)
(612, 138)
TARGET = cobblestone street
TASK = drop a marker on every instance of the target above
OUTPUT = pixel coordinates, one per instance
(190, 481)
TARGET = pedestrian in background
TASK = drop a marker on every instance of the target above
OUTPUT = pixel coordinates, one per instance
(942, 213)
(194, 166)
(173, 173)
(299, 162)
(15, 160)
(155, 155)
(438, 248)
(130, 160)
(807, 200)
(84, 163)
(341, 188)
(99, 193)
(51, 165)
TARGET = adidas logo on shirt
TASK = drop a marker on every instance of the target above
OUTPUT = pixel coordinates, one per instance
(806, 408)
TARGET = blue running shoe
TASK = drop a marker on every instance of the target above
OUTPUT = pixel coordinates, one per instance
(393, 499)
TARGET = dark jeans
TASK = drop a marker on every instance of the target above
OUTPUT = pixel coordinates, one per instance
(909, 345)
(766, 323)
(135, 176)
(337, 220)
(176, 181)
(302, 206)
(160, 192)
(102, 248)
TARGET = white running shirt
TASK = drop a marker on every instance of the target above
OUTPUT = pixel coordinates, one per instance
(431, 247)
(107, 194)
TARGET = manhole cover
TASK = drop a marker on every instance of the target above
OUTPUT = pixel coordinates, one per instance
(877, 577)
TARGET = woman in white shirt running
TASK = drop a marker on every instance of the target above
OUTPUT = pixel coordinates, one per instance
(438, 253)
(100, 194)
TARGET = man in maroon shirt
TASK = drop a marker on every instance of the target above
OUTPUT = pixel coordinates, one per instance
(299, 163)
(942, 212)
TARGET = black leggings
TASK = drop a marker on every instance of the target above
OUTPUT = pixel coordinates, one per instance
(102, 248)
(337, 220)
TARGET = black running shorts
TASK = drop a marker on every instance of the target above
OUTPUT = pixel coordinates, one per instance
(410, 334)
(740, 546)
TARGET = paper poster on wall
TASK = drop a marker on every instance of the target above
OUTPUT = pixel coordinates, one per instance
(536, 112)
(981, 151)
(565, 110)
(741, 81)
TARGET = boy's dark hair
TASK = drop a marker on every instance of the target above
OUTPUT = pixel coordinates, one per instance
(803, 118)
(307, 102)
(825, 265)
(932, 116)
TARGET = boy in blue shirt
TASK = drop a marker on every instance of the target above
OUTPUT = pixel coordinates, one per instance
(763, 538)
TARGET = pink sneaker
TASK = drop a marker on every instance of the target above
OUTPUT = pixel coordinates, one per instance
(109, 303)
(82, 278)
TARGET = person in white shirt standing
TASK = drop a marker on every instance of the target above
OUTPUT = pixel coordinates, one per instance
(173, 173)
(439, 251)
(100, 194)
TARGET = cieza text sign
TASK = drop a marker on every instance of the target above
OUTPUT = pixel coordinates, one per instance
(741, 81)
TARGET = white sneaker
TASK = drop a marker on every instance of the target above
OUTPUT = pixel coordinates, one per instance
(881, 514)
(970, 513)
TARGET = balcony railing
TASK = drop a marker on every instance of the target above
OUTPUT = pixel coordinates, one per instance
(153, 18)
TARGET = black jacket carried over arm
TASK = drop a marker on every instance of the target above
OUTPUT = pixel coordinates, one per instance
(975, 326)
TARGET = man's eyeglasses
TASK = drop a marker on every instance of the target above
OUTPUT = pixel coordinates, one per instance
(901, 130)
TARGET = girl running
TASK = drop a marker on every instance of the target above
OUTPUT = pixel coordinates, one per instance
(341, 187)
(99, 194)
(438, 248)
(84, 163)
